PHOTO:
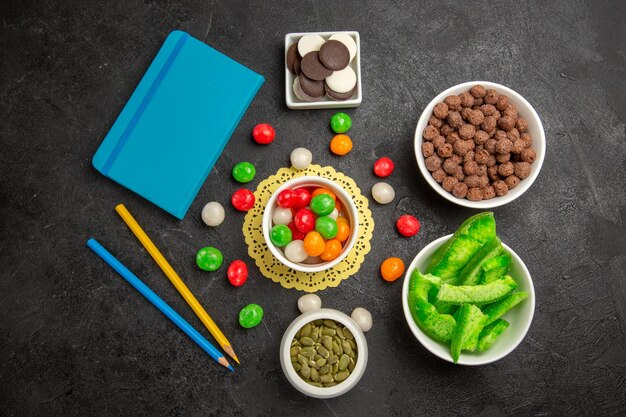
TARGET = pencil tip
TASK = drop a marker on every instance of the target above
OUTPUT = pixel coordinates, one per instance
(229, 350)
(230, 368)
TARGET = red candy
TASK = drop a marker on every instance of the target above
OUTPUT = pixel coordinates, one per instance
(304, 220)
(237, 273)
(408, 225)
(383, 167)
(263, 133)
(295, 233)
(303, 197)
(287, 198)
(242, 199)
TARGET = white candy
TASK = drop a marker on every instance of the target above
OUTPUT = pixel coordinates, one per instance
(301, 158)
(309, 43)
(294, 251)
(213, 214)
(346, 40)
(383, 193)
(309, 302)
(282, 216)
(334, 214)
(362, 318)
(342, 81)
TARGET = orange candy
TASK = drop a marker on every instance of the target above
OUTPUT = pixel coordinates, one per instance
(342, 219)
(391, 269)
(343, 230)
(331, 250)
(341, 145)
(314, 244)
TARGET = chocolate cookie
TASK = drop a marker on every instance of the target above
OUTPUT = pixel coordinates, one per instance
(296, 66)
(312, 67)
(297, 90)
(339, 96)
(311, 87)
(334, 55)
(292, 56)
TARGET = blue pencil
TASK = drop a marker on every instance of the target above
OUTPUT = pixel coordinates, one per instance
(158, 302)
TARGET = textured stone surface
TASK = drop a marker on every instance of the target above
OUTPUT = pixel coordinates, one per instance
(77, 340)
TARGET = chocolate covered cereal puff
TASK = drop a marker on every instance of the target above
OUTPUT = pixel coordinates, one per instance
(529, 155)
(430, 132)
(449, 183)
(441, 110)
(433, 162)
(439, 175)
(467, 100)
(427, 149)
(433, 121)
(475, 194)
(453, 102)
(522, 170)
(478, 91)
(492, 96)
(511, 181)
(454, 119)
(459, 190)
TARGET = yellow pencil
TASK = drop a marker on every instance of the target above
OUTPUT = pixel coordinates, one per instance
(175, 279)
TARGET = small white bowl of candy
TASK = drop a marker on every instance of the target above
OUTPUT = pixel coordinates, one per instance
(310, 224)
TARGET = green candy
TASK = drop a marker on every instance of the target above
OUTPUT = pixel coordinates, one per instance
(322, 204)
(326, 226)
(244, 172)
(280, 235)
(340, 122)
(250, 316)
(209, 258)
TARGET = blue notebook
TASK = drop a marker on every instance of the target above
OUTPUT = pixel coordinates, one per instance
(177, 122)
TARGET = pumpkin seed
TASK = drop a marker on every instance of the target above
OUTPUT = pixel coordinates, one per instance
(331, 384)
(317, 356)
(346, 347)
(315, 376)
(323, 352)
(295, 342)
(326, 378)
(315, 334)
(330, 323)
(352, 344)
(305, 371)
(316, 384)
(324, 369)
(352, 355)
(340, 333)
(307, 341)
(308, 351)
(327, 341)
(351, 365)
(332, 359)
(343, 362)
(296, 366)
(341, 376)
(348, 334)
(294, 359)
(329, 332)
(337, 349)
(318, 322)
(312, 364)
(320, 362)
(306, 330)
(302, 360)
(335, 368)
(295, 350)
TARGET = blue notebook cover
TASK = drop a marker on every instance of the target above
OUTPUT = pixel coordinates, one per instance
(177, 122)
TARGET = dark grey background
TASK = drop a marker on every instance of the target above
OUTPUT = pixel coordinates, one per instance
(75, 339)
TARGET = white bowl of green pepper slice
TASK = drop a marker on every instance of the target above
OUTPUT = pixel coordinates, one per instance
(443, 323)
(349, 374)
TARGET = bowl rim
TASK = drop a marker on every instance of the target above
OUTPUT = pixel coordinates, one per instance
(539, 144)
(345, 200)
(421, 336)
(360, 364)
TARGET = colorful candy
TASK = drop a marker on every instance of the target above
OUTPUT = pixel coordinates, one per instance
(244, 172)
(295, 251)
(319, 191)
(383, 193)
(343, 230)
(407, 225)
(383, 167)
(341, 144)
(326, 226)
(340, 122)
(237, 273)
(282, 215)
(332, 249)
(301, 158)
(304, 220)
(242, 199)
(322, 204)
(263, 133)
(280, 235)
(362, 318)
(391, 269)
(213, 214)
(295, 233)
(209, 258)
(250, 316)
(334, 214)
(303, 198)
(314, 244)
(287, 198)
(309, 302)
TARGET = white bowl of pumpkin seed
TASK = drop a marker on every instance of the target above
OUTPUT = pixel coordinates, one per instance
(323, 353)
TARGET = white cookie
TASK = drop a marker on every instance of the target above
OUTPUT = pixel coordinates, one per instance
(346, 40)
(310, 43)
(342, 81)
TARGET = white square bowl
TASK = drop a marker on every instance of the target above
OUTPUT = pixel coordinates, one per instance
(325, 103)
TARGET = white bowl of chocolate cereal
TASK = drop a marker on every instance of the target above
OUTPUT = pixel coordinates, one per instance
(480, 144)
